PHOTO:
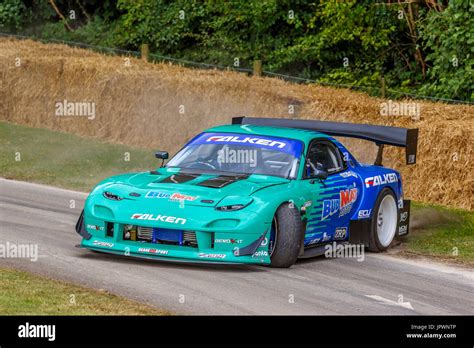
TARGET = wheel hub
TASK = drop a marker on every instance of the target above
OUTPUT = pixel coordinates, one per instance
(380, 220)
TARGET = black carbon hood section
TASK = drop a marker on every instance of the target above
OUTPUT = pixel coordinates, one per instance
(179, 178)
(222, 180)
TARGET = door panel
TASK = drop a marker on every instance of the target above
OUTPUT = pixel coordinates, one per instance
(333, 203)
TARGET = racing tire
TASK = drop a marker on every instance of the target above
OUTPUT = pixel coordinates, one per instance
(288, 236)
(384, 221)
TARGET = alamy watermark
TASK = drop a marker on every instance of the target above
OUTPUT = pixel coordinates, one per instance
(227, 155)
(19, 251)
(353, 251)
(67, 108)
(28, 330)
(392, 108)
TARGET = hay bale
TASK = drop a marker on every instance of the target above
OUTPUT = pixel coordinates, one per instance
(140, 105)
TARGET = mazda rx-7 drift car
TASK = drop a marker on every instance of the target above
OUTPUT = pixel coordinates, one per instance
(258, 191)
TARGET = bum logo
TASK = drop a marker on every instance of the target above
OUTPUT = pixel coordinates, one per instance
(343, 204)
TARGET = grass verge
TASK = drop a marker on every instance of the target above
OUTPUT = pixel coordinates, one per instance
(442, 233)
(22, 293)
(65, 160)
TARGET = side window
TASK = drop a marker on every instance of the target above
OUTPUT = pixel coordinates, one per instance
(323, 154)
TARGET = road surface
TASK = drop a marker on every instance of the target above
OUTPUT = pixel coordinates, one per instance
(381, 284)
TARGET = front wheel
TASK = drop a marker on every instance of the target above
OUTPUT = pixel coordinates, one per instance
(285, 236)
(384, 221)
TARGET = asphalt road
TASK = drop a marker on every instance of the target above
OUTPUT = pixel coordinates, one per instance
(380, 284)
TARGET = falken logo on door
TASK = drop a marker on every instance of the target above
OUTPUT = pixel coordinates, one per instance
(381, 180)
(162, 218)
(343, 204)
(212, 256)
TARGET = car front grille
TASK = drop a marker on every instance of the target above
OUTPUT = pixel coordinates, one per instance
(145, 233)
(190, 237)
(166, 236)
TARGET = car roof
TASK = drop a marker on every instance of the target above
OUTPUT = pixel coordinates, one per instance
(291, 133)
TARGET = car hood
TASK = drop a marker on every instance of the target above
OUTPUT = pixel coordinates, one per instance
(199, 189)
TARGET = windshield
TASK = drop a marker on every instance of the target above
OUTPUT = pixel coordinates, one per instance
(240, 153)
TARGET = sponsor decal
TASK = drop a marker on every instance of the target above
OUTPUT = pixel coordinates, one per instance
(242, 139)
(95, 227)
(264, 242)
(306, 205)
(348, 174)
(364, 214)
(162, 218)
(104, 244)
(343, 204)
(314, 241)
(348, 197)
(261, 253)
(181, 197)
(402, 230)
(28, 330)
(381, 180)
(153, 251)
(330, 207)
(171, 196)
(340, 233)
(404, 216)
(326, 237)
(228, 241)
(157, 194)
(290, 146)
(212, 256)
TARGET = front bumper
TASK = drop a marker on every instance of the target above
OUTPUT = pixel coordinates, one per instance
(217, 246)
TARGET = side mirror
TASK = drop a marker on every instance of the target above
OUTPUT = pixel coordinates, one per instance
(162, 155)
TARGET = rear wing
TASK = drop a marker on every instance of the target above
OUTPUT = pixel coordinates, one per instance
(381, 135)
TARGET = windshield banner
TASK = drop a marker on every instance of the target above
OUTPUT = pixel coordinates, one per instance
(289, 146)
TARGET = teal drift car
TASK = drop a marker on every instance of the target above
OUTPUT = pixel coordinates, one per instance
(257, 191)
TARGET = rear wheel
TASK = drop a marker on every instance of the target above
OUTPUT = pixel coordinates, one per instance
(384, 221)
(285, 236)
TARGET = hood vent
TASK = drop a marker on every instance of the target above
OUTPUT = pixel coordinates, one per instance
(222, 180)
(179, 178)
